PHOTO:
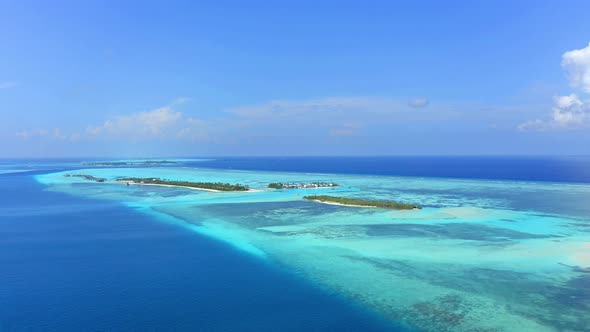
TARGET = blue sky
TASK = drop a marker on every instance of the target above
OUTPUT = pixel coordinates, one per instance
(131, 78)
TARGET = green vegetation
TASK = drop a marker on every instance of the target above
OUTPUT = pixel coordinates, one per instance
(280, 185)
(199, 185)
(362, 202)
(87, 177)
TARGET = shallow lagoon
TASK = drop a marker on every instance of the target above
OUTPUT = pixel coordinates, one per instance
(480, 256)
(72, 263)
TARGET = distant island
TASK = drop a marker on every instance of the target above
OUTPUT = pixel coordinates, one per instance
(357, 202)
(280, 185)
(210, 186)
(86, 176)
(129, 163)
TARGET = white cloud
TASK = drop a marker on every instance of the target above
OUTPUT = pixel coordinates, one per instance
(569, 112)
(74, 137)
(330, 106)
(346, 129)
(322, 117)
(180, 101)
(8, 85)
(576, 64)
(155, 123)
(59, 134)
(54, 134)
(315, 117)
(163, 122)
(26, 134)
(418, 102)
(532, 125)
(194, 129)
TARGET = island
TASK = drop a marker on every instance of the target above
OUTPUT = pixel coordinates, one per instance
(311, 185)
(86, 177)
(128, 163)
(357, 202)
(209, 186)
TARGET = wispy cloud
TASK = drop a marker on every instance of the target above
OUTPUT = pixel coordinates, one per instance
(55, 134)
(155, 123)
(418, 102)
(325, 115)
(569, 112)
(26, 134)
(321, 117)
(194, 130)
(328, 105)
(346, 129)
(8, 85)
(160, 123)
(59, 134)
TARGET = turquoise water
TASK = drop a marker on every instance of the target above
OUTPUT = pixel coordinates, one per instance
(482, 255)
(74, 263)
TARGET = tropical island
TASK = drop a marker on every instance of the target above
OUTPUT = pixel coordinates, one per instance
(357, 202)
(86, 177)
(128, 163)
(210, 186)
(280, 185)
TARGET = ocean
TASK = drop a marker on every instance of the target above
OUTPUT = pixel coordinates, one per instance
(76, 264)
(501, 244)
(530, 168)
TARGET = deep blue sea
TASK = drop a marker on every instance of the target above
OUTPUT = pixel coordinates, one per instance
(552, 169)
(74, 264)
